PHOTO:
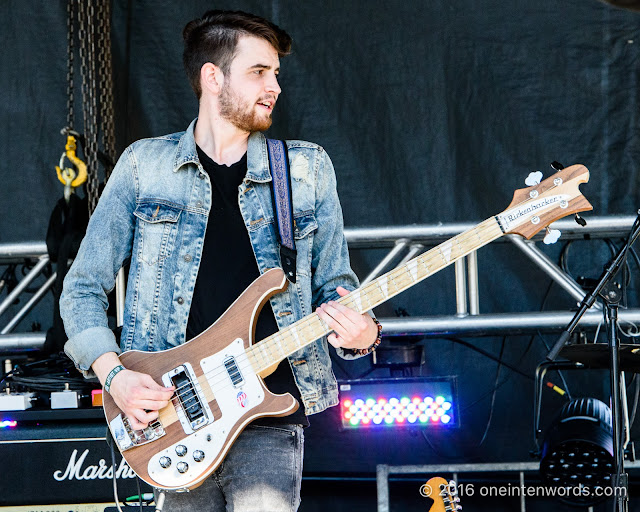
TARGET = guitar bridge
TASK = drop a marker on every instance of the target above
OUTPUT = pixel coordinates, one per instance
(128, 438)
(189, 401)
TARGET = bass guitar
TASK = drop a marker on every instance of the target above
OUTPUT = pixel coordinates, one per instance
(219, 374)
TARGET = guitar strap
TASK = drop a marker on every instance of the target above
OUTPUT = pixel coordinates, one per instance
(282, 205)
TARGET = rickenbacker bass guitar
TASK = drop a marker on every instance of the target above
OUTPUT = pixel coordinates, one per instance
(219, 374)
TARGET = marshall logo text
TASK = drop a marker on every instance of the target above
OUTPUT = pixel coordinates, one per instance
(75, 470)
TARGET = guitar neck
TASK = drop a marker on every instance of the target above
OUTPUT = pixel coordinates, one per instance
(282, 344)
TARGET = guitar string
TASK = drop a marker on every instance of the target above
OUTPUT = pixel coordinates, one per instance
(401, 278)
(285, 337)
(396, 277)
(280, 338)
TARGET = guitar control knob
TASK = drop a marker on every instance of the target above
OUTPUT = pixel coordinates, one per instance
(181, 450)
(198, 455)
(165, 462)
(182, 467)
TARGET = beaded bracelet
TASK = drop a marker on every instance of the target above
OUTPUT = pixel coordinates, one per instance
(112, 374)
(374, 345)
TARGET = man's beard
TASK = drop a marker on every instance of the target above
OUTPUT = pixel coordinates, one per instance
(239, 113)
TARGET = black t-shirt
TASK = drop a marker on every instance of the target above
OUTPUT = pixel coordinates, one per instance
(228, 267)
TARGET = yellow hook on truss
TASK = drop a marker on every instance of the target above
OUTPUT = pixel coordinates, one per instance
(68, 175)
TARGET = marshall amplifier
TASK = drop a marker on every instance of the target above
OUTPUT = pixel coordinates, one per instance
(54, 462)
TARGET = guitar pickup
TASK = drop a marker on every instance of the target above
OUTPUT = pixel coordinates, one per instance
(233, 371)
(189, 401)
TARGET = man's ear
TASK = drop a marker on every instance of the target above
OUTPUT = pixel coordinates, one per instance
(211, 78)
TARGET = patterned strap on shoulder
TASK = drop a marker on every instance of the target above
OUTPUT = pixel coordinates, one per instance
(282, 204)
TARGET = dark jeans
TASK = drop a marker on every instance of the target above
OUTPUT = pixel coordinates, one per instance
(261, 473)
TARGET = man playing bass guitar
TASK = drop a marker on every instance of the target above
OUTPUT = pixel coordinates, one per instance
(192, 212)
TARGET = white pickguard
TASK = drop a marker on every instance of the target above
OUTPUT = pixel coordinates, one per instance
(233, 402)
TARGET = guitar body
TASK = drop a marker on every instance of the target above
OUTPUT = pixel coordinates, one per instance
(218, 393)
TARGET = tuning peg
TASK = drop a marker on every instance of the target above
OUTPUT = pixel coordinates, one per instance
(580, 220)
(557, 166)
(552, 236)
(534, 178)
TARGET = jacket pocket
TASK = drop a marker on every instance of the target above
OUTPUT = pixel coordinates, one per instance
(154, 212)
(156, 228)
(304, 224)
(304, 227)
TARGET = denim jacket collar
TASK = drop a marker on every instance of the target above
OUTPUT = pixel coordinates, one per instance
(186, 152)
(257, 157)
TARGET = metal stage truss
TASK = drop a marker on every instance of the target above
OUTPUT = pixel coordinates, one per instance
(404, 243)
(499, 472)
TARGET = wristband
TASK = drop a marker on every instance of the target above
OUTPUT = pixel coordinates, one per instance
(374, 345)
(112, 374)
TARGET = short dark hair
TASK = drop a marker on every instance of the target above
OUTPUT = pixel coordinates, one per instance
(214, 38)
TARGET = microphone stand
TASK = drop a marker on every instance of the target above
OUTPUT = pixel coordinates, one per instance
(611, 293)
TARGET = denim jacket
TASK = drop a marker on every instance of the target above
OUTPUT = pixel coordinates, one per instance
(153, 212)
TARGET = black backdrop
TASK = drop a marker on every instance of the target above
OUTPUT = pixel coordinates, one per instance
(432, 111)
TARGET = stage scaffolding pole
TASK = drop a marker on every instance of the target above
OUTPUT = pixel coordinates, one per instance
(410, 238)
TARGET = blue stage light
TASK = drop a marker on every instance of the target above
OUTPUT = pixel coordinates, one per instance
(384, 403)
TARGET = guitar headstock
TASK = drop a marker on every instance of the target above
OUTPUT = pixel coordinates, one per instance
(444, 495)
(535, 207)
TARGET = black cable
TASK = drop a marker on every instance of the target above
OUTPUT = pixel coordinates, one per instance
(634, 254)
(485, 395)
(114, 479)
(9, 277)
(7, 375)
(565, 267)
(625, 270)
(435, 450)
(489, 355)
(499, 361)
(526, 349)
(49, 379)
(17, 367)
(495, 392)
(27, 266)
(503, 363)
(634, 227)
(50, 382)
(613, 248)
(497, 385)
(564, 255)
(560, 374)
(139, 492)
(544, 342)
